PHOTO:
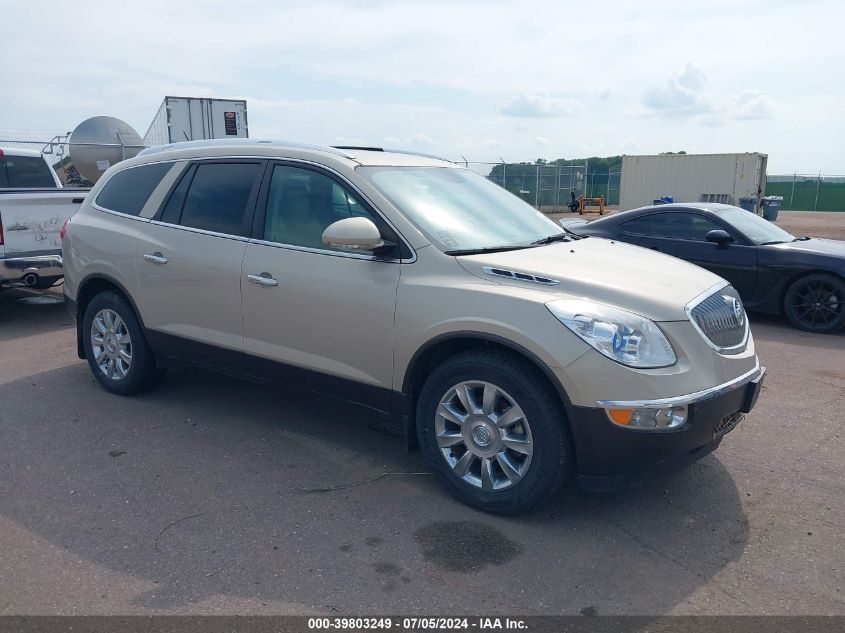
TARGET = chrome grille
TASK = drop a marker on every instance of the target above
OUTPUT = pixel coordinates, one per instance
(720, 318)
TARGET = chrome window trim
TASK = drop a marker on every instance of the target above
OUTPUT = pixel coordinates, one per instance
(723, 351)
(322, 166)
(321, 251)
(690, 398)
(191, 229)
(119, 214)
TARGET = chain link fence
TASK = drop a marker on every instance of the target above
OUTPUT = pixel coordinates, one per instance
(805, 192)
(548, 187)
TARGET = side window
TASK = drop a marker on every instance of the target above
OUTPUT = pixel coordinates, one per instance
(127, 191)
(682, 226)
(25, 171)
(217, 197)
(637, 226)
(301, 203)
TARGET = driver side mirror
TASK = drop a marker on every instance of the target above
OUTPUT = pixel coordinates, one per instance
(360, 234)
(720, 237)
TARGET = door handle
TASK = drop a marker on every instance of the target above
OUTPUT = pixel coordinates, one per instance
(155, 258)
(264, 279)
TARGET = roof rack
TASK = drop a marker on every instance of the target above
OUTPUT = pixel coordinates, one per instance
(242, 141)
(362, 148)
(424, 155)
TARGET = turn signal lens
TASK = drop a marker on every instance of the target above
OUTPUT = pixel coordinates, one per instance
(620, 416)
(649, 418)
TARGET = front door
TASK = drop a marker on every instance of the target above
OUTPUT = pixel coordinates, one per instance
(316, 316)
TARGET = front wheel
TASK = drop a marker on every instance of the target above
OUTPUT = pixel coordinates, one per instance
(816, 303)
(494, 432)
(115, 347)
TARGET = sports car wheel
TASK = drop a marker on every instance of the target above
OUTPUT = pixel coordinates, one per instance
(816, 303)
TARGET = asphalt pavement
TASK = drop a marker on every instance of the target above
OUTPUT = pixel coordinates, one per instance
(216, 496)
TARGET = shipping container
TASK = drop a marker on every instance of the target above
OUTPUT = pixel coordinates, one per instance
(692, 178)
(193, 119)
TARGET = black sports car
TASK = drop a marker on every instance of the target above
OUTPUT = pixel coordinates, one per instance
(773, 271)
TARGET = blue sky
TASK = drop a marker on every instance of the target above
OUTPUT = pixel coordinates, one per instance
(481, 79)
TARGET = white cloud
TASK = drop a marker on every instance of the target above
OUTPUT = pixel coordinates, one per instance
(541, 140)
(753, 104)
(326, 69)
(539, 105)
(684, 94)
(687, 94)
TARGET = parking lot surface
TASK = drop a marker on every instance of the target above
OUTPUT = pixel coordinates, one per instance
(213, 495)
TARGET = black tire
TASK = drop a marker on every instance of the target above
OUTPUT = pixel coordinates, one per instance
(553, 457)
(816, 303)
(142, 372)
(45, 282)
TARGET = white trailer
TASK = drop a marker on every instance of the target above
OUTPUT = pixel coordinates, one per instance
(692, 178)
(192, 119)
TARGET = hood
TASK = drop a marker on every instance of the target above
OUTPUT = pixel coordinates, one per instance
(816, 246)
(629, 277)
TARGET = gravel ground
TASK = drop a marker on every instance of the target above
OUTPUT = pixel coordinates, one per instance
(204, 496)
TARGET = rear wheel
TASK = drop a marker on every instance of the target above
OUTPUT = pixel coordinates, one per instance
(115, 347)
(816, 303)
(494, 432)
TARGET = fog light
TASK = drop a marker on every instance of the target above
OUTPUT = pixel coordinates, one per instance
(649, 418)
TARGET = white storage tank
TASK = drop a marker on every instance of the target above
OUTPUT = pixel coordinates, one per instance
(193, 119)
(692, 178)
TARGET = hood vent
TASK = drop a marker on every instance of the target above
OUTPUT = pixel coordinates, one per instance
(512, 274)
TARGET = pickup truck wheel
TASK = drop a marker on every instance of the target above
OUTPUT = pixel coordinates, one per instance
(115, 347)
(494, 432)
(816, 303)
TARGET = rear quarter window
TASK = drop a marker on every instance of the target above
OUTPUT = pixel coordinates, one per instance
(637, 226)
(128, 190)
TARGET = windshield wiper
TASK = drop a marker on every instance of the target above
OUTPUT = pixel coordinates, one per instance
(488, 249)
(801, 239)
(772, 242)
(557, 237)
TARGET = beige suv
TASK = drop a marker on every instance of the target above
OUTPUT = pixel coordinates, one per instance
(514, 355)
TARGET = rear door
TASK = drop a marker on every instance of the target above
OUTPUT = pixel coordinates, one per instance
(189, 263)
(317, 316)
(683, 233)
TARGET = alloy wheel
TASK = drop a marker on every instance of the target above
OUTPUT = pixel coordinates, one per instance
(111, 344)
(484, 435)
(816, 304)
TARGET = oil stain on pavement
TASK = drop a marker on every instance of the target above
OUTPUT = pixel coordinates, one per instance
(465, 546)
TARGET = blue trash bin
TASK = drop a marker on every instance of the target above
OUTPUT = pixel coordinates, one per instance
(747, 203)
(771, 206)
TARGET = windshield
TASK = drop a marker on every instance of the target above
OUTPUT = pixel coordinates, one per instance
(459, 210)
(754, 227)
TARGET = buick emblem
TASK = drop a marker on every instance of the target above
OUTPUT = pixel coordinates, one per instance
(739, 313)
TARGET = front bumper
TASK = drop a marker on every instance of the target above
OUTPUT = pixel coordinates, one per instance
(611, 457)
(14, 268)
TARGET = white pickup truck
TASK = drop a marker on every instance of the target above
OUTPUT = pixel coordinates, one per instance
(33, 209)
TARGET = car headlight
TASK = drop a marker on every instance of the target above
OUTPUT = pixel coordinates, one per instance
(623, 336)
